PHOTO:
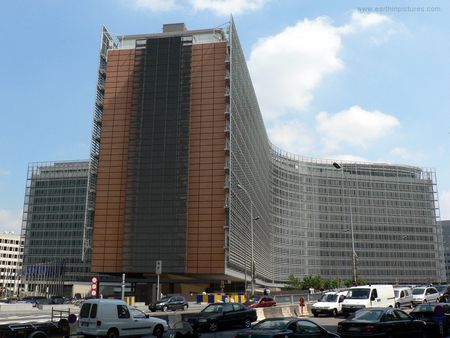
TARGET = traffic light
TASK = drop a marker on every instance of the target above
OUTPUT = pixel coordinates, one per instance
(95, 287)
(158, 267)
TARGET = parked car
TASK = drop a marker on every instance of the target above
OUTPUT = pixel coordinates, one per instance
(218, 315)
(114, 318)
(382, 322)
(286, 327)
(167, 303)
(365, 296)
(444, 292)
(403, 297)
(425, 294)
(260, 301)
(57, 300)
(426, 312)
(330, 304)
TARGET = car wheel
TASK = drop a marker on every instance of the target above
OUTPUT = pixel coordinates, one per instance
(152, 310)
(165, 308)
(247, 323)
(185, 307)
(158, 331)
(212, 327)
(334, 313)
(397, 305)
(112, 333)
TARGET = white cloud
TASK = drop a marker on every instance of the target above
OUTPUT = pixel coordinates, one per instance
(227, 7)
(155, 5)
(10, 220)
(444, 204)
(354, 126)
(291, 136)
(404, 154)
(361, 21)
(287, 67)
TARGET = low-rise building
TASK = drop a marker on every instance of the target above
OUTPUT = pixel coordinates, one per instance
(11, 255)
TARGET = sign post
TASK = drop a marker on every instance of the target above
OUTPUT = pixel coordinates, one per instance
(158, 271)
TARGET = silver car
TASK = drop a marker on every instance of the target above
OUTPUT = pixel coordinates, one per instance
(425, 294)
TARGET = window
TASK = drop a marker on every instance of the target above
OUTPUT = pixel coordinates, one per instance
(389, 317)
(227, 308)
(93, 311)
(401, 315)
(122, 311)
(84, 312)
(137, 313)
(307, 327)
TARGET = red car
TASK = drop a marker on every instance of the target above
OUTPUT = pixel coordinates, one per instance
(260, 301)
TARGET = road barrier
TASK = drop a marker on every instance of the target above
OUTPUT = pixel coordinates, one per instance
(262, 313)
(221, 297)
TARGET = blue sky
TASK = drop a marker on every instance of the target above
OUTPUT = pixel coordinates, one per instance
(362, 80)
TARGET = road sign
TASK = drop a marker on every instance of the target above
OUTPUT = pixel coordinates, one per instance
(95, 286)
(158, 267)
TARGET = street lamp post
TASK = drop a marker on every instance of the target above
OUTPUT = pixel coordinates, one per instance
(354, 255)
(252, 263)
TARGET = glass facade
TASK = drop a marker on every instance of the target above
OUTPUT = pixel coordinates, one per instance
(187, 174)
(53, 222)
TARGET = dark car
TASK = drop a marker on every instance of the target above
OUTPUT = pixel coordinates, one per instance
(260, 301)
(286, 327)
(427, 313)
(382, 322)
(444, 292)
(182, 330)
(169, 303)
(218, 315)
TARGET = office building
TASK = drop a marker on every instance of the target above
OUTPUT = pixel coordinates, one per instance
(183, 171)
(446, 240)
(53, 226)
(11, 254)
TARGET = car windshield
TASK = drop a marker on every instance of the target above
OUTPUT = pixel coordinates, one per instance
(423, 308)
(213, 308)
(442, 287)
(396, 293)
(254, 299)
(369, 315)
(331, 297)
(358, 293)
(418, 291)
(272, 324)
(165, 299)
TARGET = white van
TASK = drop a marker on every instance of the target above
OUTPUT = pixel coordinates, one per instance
(330, 303)
(114, 318)
(360, 297)
(403, 296)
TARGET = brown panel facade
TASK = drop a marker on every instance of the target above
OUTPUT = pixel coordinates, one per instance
(206, 199)
(113, 161)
